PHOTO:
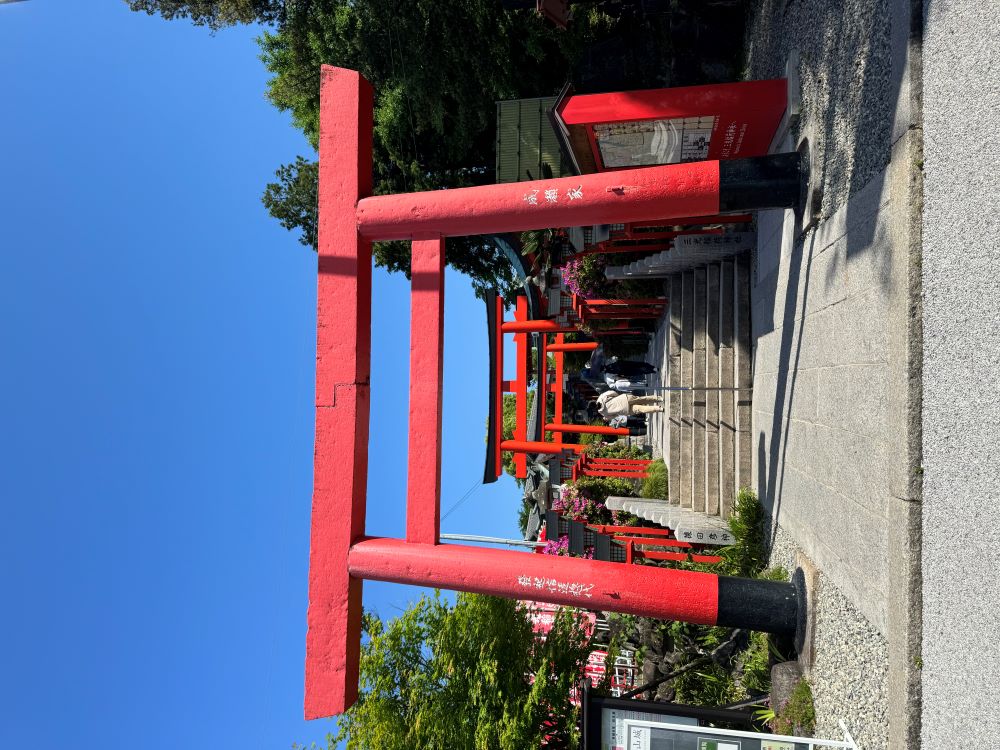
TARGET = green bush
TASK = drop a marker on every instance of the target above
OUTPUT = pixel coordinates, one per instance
(655, 485)
(748, 554)
(756, 678)
(600, 489)
(709, 685)
(618, 449)
(587, 438)
(797, 715)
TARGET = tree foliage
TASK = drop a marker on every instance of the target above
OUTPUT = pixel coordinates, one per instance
(214, 13)
(292, 200)
(437, 70)
(468, 676)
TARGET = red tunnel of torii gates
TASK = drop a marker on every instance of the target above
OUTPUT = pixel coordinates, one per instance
(520, 445)
(341, 555)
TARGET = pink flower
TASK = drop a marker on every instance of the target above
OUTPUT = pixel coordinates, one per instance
(560, 547)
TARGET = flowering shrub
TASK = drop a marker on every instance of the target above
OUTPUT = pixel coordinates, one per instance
(558, 547)
(561, 548)
(585, 276)
(583, 500)
(570, 503)
(624, 518)
(577, 503)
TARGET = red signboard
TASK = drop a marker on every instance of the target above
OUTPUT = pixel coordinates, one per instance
(628, 129)
(543, 616)
(556, 11)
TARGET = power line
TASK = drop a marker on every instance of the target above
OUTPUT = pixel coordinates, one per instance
(468, 493)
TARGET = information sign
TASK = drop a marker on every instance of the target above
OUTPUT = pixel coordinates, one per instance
(613, 734)
(662, 734)
(628, 129)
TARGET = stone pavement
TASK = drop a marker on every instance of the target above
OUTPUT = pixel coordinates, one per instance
(876, 356)
(836, 324)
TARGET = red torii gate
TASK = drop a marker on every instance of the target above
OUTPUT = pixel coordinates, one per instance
(519, 445)
(341, 555)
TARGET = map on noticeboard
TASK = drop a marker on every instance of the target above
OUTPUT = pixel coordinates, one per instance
(704, 744)
(646, 735)
(646, 142)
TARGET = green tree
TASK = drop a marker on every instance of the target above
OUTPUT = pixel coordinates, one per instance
(214, 13)
(437, 69)
(468, 676)
(292, 201)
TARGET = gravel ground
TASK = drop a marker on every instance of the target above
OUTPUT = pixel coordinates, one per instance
(851, 662)
(845, 69)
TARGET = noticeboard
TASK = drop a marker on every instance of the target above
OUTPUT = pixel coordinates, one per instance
(628, 129)
(614, 722)
(658, 735)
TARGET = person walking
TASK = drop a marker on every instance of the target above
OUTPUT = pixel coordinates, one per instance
(611, 404)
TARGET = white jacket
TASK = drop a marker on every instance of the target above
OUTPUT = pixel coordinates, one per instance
(611, 404)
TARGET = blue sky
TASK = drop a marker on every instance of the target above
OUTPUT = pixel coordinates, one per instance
(157, 331)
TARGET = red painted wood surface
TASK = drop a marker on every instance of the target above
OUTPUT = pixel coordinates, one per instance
(423, 511)
(683, 101)
(637, 302)
(656, 531)
(586, 429)
(536, 326)
(535, 446)
(573, 346)
(340, 555)
(542, 392)
(557, 385)
(602, 460)
(653, 592)
(654, 542)
(679, 556)
(498, 427)
(521, 386)
(620, 243)
(637, 230)
(636, 195)
(747, 113)
(614, 473)
(343, 357)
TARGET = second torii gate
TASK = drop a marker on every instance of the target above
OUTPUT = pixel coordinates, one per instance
(341, 555)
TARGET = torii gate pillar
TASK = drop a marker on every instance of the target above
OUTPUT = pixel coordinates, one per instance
(341, 556)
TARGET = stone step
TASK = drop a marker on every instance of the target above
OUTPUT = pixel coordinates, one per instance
(687, 525)
(707, 445)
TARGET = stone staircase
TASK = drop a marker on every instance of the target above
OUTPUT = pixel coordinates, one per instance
(687, 525)
(704, 340)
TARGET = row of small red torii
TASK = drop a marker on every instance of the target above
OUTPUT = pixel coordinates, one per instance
(624, 311)
(341, 555)
(520, 446)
